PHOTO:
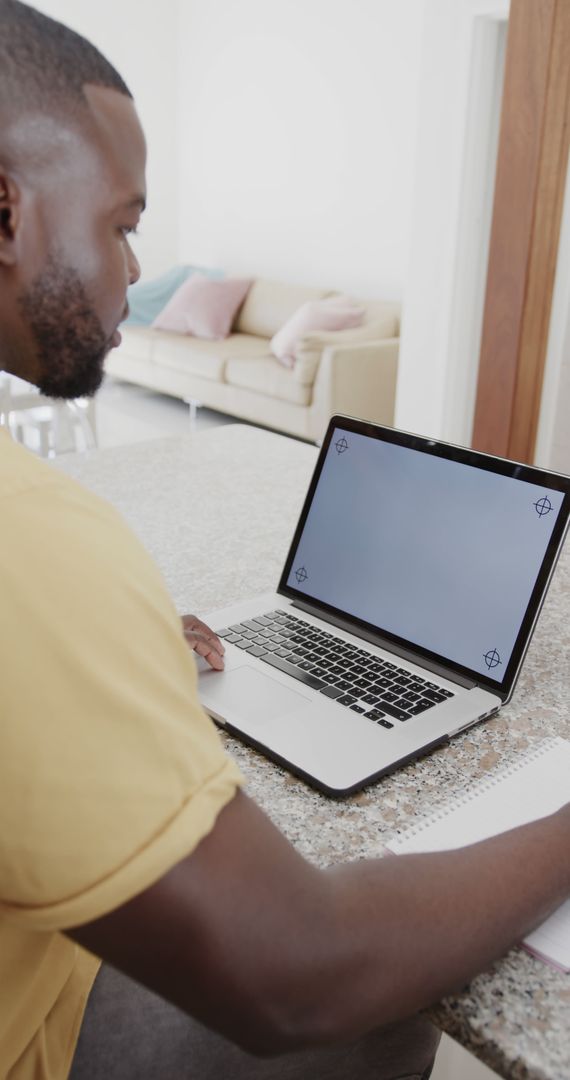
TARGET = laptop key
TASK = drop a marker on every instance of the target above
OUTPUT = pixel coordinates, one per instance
(256, 650)
(393, 710)
(357, 708)
(331, 691)
(346, 699)
(385, 723)
(432, 695)
(375, 714)
(415, 710)
(243, 643)
(305, 677)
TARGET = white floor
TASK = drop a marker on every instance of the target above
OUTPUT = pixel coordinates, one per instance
(129, 414)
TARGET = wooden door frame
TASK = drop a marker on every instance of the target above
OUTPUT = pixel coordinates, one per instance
(529, 191)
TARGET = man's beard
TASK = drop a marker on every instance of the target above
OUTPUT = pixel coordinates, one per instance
(69, 339)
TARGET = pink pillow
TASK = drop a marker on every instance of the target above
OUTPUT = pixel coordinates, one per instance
(334, 313)
(203, 307)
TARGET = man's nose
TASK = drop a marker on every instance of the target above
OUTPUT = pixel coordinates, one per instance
(133, 266)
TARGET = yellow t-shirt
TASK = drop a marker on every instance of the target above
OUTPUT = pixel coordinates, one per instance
(110, 771)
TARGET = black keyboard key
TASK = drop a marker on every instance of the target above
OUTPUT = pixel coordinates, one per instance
(383, 683)
(393, 710)
(306, 666)
(357, 708)
(427, 703)
(402, 703)
(390, 696)
(371, 699)
(385, 723)
(331, 691)
(415, 710)
(346, 699)
(434, 696)
(305, 677)
(374, 714)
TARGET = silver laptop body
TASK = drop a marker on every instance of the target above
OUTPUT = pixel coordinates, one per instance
(404, 610)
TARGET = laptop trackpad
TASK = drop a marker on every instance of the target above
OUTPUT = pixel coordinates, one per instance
(250, 696)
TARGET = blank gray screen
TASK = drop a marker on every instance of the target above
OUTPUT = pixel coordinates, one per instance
(442, 554)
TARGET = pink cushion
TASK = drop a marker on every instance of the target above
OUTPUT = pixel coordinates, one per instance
(203, 307)
(334, 313)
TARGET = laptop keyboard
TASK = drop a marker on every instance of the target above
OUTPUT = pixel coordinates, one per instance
(352, 677)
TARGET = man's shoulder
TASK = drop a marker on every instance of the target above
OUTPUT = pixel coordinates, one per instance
(29, 484)
(23, 473)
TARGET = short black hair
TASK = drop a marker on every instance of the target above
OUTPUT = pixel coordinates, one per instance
(44, 65)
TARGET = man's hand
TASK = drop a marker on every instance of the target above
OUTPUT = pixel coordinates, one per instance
(203, 641)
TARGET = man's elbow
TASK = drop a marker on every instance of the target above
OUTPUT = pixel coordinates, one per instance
(276, 1024)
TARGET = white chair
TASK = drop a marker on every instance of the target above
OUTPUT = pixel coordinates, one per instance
(43, 424)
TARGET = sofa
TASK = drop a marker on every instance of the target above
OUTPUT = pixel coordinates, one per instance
(350, 371)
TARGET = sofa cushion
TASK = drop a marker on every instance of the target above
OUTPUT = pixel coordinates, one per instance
(309, 348)
(204, 308)
(270, 303)
(137, 342)
(334, 313)
(204, 358)
(147, 298)
(267, 376)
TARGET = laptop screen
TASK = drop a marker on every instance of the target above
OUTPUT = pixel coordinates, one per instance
(438, 548)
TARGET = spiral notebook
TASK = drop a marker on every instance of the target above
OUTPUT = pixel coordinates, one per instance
(533, 787)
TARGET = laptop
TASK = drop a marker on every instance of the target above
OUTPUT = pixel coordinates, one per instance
(406, 604)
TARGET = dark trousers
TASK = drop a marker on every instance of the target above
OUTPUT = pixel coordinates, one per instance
(128, 1033)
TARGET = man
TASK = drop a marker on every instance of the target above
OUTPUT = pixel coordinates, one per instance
(125, 833)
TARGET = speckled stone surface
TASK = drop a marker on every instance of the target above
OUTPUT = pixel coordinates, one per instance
(217, 511)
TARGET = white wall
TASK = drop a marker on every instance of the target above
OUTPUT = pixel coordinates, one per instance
(298, 126)
(140, 37)
(553, 438)
(443, 299)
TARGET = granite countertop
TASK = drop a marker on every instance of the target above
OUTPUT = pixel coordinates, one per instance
(217, 511)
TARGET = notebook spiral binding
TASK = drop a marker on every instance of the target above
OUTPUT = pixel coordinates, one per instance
(479, 787)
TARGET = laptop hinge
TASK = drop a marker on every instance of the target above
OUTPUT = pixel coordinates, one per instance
(383, 643)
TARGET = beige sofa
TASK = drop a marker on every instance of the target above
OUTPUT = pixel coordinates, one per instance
(349, 371)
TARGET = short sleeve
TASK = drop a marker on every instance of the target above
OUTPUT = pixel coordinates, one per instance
(110, 771)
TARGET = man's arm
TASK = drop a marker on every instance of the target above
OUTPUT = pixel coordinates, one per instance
(252, 940)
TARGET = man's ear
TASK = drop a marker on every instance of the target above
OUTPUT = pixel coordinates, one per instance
(10, 208)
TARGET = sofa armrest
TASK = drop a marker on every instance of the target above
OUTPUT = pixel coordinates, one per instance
(357, 379)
